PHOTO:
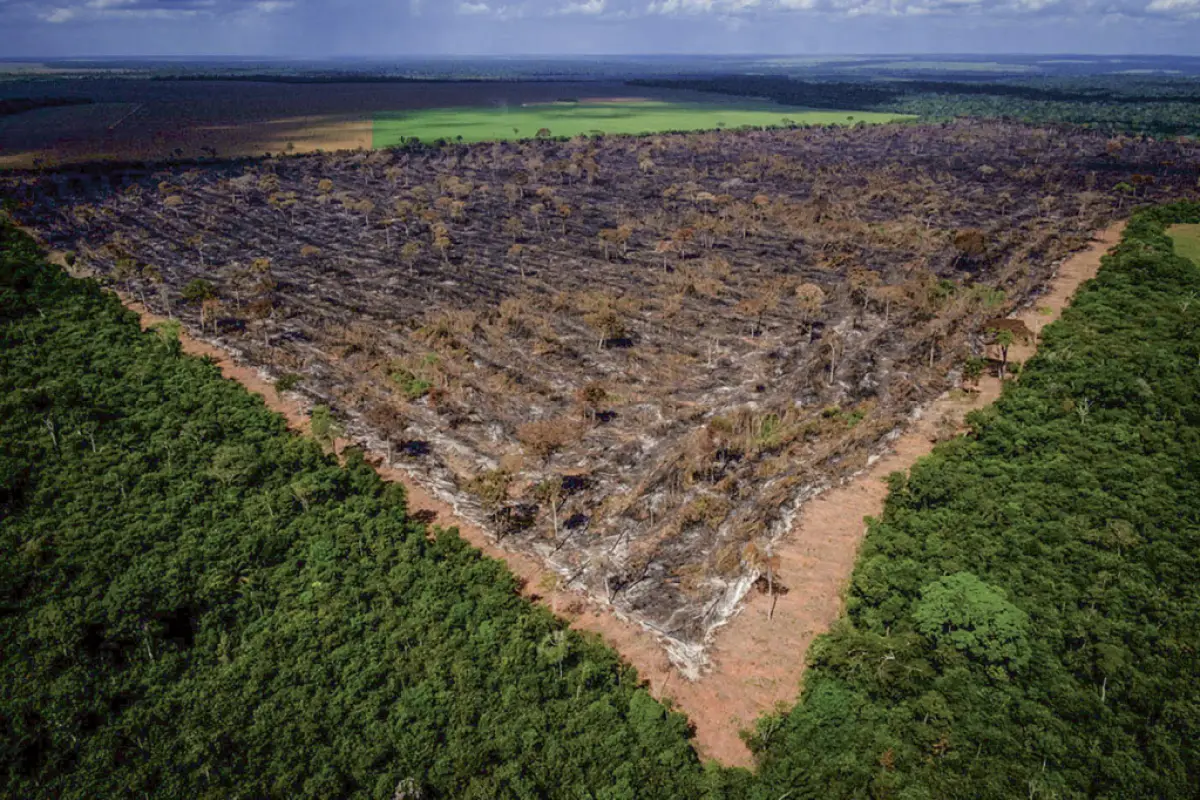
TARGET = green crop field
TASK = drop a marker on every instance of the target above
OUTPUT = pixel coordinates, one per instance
(1187, 241)
(479, 124)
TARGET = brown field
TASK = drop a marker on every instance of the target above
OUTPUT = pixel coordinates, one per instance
(635, 359)
(635, 364)
(192, 119)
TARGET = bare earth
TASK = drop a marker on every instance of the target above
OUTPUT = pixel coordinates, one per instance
(757, 659)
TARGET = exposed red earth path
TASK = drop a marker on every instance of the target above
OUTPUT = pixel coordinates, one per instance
(757, 659)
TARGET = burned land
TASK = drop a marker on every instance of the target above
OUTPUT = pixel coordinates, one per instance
(635, 357)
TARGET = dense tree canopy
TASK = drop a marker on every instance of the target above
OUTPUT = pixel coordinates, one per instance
(1109, 103)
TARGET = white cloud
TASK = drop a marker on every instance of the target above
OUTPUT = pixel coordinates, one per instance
(685, 6)
(736, 16)
(765, 9)
(271, 6)
(143, 9)
(590, 7)
(1186, 7)
(59, 15)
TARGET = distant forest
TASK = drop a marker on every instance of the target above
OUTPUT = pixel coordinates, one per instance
(1161, 107)
(196, 603)
(335, 77)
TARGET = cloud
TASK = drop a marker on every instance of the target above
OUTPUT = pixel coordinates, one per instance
(1188, 8)
(522, 27)
(587, 7)
(779, 10)
(92, 10)
(59, 15)
(726, 14)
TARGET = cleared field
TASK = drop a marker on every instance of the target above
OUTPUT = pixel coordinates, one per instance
(616, 116)
(1187, 241)
(633, 359)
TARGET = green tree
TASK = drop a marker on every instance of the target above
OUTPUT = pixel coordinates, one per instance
(963, 612)
(324, 426)
(198, 290)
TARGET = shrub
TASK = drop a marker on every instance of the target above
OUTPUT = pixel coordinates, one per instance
(287, 382)
(546, 437)
(198, 290)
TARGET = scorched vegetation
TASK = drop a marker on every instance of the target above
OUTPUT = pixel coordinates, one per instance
(635, 357)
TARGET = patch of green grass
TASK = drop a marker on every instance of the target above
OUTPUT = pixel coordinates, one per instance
(478, 124)
(1187, 241)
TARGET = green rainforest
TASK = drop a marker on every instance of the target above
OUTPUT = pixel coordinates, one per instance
(195, 602)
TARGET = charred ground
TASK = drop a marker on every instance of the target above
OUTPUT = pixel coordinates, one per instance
(635, 357)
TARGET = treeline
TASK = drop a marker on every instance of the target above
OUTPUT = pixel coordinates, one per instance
(337, 77)
(19, 105)
(1025, 618)
(858, 96)
(196, 603)
(1163, 108)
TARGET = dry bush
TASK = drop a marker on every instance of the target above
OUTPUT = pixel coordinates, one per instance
(543, 438)
(693, 579)
(607, 324)
(589, 399)
(491, 489)
(514, 316)
(386, 418)
(449, 328)
(709, 510)
(727, 561)
(809, 299)
(512, 463)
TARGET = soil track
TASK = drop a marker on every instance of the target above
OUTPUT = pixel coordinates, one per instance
(757, 659)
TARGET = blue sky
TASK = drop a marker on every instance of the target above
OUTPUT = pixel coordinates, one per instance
(475, 27)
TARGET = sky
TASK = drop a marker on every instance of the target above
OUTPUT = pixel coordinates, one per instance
(317, 28)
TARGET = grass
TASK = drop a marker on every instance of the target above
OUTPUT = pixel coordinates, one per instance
(480, 124)
(1187, 241)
